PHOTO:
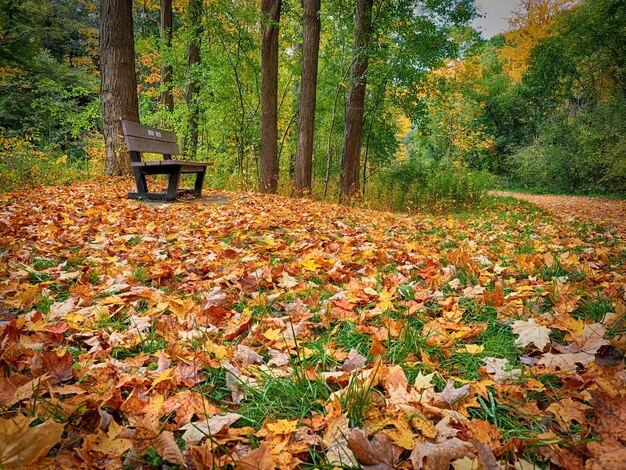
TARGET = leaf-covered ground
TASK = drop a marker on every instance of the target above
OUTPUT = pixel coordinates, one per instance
(268, 332)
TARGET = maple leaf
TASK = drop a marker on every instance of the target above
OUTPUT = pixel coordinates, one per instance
(354, 361)
(450, 395)
(501, 371)
(441, 453)
(22, 444)
(196, 431)
(530, 332)
(568, 410)
(378, 450)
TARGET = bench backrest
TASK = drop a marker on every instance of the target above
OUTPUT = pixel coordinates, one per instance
(140, 138)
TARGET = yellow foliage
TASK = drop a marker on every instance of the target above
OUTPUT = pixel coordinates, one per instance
(530, 24)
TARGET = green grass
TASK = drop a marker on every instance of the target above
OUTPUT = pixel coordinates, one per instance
(594, 310)
(283, 398)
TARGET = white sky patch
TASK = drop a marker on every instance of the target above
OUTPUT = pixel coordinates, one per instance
(495, 13)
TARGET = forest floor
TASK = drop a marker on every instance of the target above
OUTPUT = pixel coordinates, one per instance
(279, 333)
(610, 212)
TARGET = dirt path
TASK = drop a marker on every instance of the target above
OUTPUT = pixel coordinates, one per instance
(609, 212)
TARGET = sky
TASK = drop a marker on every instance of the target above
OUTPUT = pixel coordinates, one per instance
(494, 14)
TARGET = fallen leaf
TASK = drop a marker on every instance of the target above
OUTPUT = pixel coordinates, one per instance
(166, 447)
(378, 450)
(196, 431)
(354, 361)
(529, 332)
(258, 459)
(500, 370)
(23, 445)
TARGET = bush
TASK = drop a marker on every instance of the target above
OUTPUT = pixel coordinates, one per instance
(24, 165)
(583, 154)
(420, 184)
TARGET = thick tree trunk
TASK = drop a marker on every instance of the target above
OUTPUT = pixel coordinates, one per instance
(268, 175)
(306, 121)
(118, 89)
(167, 99)
(193, 58)
(353, 122)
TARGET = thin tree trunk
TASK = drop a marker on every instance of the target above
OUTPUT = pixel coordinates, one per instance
(193, 59)
(118, 88)
(306, 121)
(268, 175)
(167, 99)
(353, 129)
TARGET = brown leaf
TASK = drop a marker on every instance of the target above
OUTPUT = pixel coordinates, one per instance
(379, 450)
(439, 455)
(247, 355)
(166, 447)
(354, 361)
(196, 431)
(22, 445)
(258, 459)
(58, 367)
(450, 395)
(530, 332)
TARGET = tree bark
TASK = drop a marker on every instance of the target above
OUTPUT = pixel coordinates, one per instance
(268, 175)
(167, 99)
(118, 88)
(306, 122)
(353, 122)
(193, 59)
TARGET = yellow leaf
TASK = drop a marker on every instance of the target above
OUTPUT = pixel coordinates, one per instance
(272, 334)
(472, 349)
(309, 264)
(165, 375)
(22, 445)
(283, 426)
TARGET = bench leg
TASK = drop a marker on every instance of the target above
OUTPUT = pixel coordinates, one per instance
(172, 187)
(140, 180)
(197, 188)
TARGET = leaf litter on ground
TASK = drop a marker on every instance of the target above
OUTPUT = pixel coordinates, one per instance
(270, 332)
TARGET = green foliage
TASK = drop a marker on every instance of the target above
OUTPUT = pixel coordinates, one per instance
(422, 184)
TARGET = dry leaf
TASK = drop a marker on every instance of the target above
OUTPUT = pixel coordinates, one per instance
(501, 371)
(530, 332)
(166, 447)
(378, 450)
(22, 445)
(450, 395)
(258, 459)
(196, 431)
(354, 361)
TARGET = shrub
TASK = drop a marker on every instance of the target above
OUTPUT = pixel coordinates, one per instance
(420, 184)
(23, 164)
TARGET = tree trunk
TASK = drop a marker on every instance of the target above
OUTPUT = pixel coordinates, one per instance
(353, 122)
(306, 121)
(167, 99)
(268, 175)
(193, 58)
(118, 89)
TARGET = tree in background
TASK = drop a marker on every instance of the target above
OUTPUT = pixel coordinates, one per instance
(196, 30)
(308, 93)
(167, 99)
(268, 175)
(118, 83)
(529, 25)
(353, 121)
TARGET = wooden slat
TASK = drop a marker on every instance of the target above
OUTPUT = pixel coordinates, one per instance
(139, 130)
(139, 144)
(169, 163)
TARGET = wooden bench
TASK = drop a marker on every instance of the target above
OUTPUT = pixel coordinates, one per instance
(143, 139)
